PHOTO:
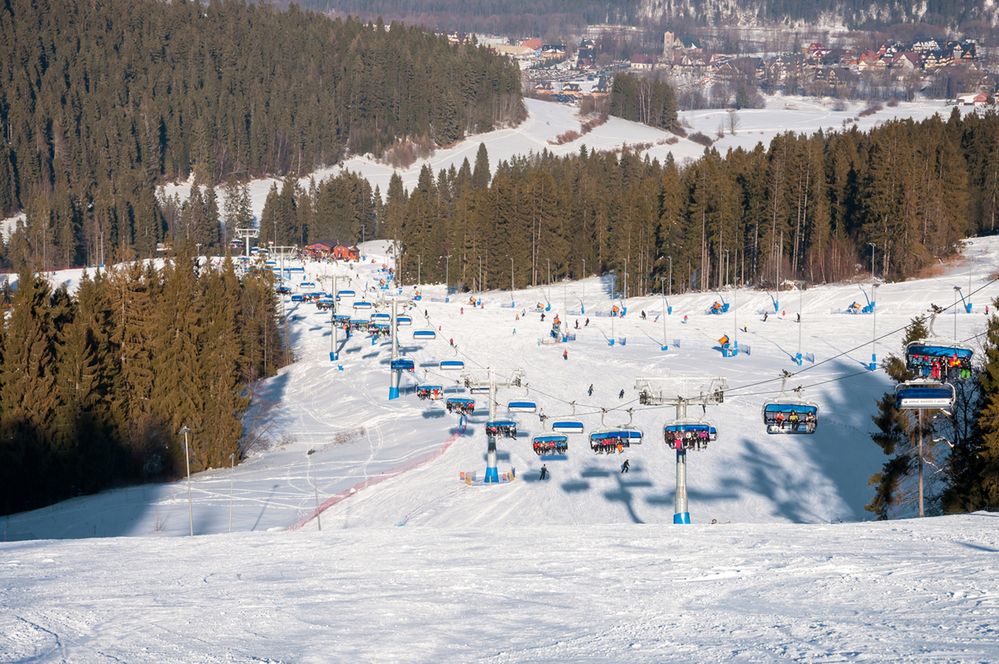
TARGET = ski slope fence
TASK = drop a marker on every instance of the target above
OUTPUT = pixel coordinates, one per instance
(372, 481)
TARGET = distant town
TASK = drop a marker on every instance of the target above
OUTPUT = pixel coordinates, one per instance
(704, 75)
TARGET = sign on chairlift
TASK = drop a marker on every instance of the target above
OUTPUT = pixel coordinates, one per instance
(913, 396)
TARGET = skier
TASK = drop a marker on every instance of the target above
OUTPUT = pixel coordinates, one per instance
(621, 394)
(643, 314)
(589, 392)
(577, 323)
(544, 472)
(462, 311)
(542, 316)
(765, 314)
(798, 319)
(685, 318)
(587, 323)
(565, 354)
(625, 467)
(452, 341)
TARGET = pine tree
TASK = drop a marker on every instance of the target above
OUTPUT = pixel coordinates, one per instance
(973, 464)
(133, 292)
(480, 174)
(177, 332)
(895, 433)
(28, 399)
(219, 360)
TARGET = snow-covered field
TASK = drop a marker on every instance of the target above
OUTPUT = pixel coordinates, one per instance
(413, 564)
(547, 120)
(879, 592)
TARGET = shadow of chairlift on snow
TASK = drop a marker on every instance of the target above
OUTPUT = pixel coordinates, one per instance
(840, 450)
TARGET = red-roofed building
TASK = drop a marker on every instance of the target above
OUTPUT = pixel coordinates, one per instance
(317, 250)
(344, 253)
(907, 61)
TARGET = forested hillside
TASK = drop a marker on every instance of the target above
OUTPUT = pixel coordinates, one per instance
(849, 13)
(564, 17)
(101, 100)
(94, 386)
(506, 17)
(809, 205)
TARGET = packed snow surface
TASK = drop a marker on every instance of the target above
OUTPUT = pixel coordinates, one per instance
(902, 591)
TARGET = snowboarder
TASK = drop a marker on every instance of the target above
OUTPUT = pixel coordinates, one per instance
(765, 315)
(577, 323)
(544, 472)
(565, 354)
(625, 467)
(621, 394)
(643, 314)
(589, 392)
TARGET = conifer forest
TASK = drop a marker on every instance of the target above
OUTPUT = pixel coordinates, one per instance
(94, 386)
(100, 101)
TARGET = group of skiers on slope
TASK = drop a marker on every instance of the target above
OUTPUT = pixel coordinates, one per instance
(544, 474)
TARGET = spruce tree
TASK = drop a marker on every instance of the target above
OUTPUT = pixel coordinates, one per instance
(973, 465)
(895, 433)
(480, 174)
(176, 335)
(219, 365)
(28, 398)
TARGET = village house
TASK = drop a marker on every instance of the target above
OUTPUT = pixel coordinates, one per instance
(552, 52)
(642, 62)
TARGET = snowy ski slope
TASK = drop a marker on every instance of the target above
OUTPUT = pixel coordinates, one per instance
(876, 592)
(414, 451)
(413, 565)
